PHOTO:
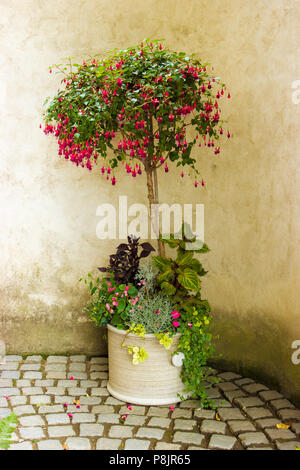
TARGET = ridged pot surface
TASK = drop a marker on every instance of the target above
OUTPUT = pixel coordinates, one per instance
(152, 382)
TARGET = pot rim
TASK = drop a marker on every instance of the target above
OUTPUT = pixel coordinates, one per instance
(124, 332)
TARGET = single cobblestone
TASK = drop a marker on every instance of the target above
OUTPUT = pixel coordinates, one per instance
(32, 375)
(84, 418)
(23, 410)
(57, 418)
(205, 414)
(57, 359)
(6, 383)
(121, 431)
(156, 411)
(296, 428)
(270, 395)
(51, 409)
(18, 400)
(55, 368)
(227, 386)
(78, 443)
(150, 433)
(267, 422)
(99, 360)
(156, 421)
(33, 420)
(32, 391)
(229, 376)
(31, 433)
(56, 375)
(213, 427)
(108, 444)
(251, 438)
(77, 367)
(254, 388)
(10, 374)
(60, 431)
(34, 358)
(230, 413)
(167, 446)
(185, 424)
(78, 358)
(238, 427)
(30, 367)
(77, 375)
(280, 434)
(136, 444)
(136, 409)
(188, 438)
(91, 430)
(136, 420)
(280, 404)
(7, 392)
(108, 418)
(258, 412)
(292, 445)
(182, 413)
(217, 441)
(23, 383)
(248, 402)
(50, 444)
(289, 414)
(13, 358)
(38, 399)
(21, 446)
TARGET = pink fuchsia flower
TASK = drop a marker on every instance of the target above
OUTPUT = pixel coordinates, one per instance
(157, 312)
(70, 415)
(171, 117)
(129, 407)
(107, 307)
(175, 314)
(124, 416)
(190, 325)
(72, 378)
(119, 82)
(172, 408)
(78, 406)
(66, 405)
(175, 323)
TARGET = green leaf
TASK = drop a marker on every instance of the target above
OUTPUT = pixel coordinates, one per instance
(189, 279)
(168, 288)
(162, 263)
(6, 430)
(168, 275)
(185, 258)
(121, 305)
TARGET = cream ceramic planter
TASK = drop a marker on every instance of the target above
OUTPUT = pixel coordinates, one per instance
(156, 381)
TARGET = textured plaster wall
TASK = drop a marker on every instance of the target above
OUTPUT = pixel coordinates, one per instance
(252, 225)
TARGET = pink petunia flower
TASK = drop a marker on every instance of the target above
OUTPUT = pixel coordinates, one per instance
(175, 314)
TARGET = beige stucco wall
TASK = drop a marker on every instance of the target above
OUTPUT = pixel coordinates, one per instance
(48, 207)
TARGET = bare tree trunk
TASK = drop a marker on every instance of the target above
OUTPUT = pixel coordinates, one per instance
(153, 199)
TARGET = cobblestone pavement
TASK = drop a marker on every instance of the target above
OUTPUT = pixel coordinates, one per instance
(38, 390)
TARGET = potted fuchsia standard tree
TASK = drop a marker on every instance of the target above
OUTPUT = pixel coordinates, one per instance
(134, 108)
